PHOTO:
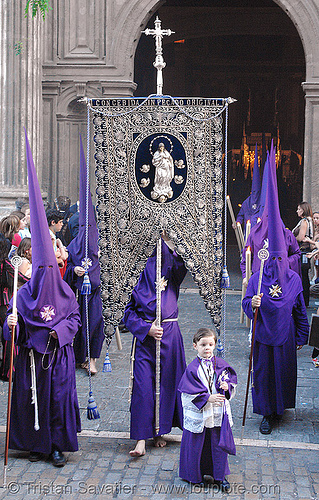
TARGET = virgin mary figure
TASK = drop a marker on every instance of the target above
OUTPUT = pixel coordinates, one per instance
(164, 174)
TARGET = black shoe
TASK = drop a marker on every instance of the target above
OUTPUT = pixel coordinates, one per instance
(58, 459)
(265, 425)
(224, 485)
(35, 456)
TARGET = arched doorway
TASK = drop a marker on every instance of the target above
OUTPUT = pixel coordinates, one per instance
(247, 49)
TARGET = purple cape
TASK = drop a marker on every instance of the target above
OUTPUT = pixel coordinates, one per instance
(192, 384)
(139, 314)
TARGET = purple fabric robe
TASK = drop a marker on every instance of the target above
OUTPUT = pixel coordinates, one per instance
(200, 453)
(281, 325)
(59, 416)
(139, 314)
(76, 257)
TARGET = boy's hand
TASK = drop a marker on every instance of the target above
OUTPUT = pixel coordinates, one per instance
(223, 385)
(156, 331)
(216, 399)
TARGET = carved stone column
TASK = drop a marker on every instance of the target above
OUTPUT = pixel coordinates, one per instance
(311, 153)
(20, 97)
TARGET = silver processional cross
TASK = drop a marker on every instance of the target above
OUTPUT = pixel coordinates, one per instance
(159, 63)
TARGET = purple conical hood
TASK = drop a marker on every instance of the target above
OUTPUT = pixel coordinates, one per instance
(46, 300)
(256, 183)
(264, 187)
(42, 248)
(277, 266)
(77, 246)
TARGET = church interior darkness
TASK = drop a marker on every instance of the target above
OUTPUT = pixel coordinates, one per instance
(249, 50)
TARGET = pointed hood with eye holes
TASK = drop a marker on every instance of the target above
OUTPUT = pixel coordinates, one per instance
(76, 248)
(46, 301)
(280, 285)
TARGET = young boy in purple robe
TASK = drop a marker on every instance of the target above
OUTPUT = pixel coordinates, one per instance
(282, 325)
(45, 414)
(139, 319)
(207, 384)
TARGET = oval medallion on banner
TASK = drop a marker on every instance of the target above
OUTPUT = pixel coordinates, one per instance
(160, 167)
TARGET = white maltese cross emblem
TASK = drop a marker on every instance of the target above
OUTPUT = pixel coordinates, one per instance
(86, 263)
(47, 313)
(161, 284)
(275, 290)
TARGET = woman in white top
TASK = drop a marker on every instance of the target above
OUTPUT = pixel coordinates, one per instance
(303, 232)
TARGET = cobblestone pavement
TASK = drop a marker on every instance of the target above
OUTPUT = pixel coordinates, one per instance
(284, 465)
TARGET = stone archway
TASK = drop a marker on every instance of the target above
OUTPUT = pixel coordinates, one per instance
(304, 15)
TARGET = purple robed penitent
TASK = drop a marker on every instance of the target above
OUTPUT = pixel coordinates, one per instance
(46, 303)
(259, 234)
(139, 314)
(76, 257)
(200, 453)
(281, 322)
(250, 207)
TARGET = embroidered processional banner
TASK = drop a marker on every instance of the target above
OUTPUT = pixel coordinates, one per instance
(158, 166)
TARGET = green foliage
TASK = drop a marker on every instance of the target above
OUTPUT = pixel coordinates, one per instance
(42, 6)
(18, 46)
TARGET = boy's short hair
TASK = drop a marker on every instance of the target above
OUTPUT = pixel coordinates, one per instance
(53, 215)
(204, 332)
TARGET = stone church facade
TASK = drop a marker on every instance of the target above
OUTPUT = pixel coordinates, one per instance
(86, 48)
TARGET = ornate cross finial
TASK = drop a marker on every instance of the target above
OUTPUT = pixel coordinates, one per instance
(159, 63)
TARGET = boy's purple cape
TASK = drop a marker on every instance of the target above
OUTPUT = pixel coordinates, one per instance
(76, 248)
(192, 384)
(46, 300)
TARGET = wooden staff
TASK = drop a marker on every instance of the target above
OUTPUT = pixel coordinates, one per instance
(118, 338)
(232, 216)
(16, 261)
(244, 286)
(158, 342)
(263, 255)
(248, 275)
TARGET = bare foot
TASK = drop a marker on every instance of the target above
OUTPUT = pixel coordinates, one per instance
(93, 366)
(159, 442)
(139, 449)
